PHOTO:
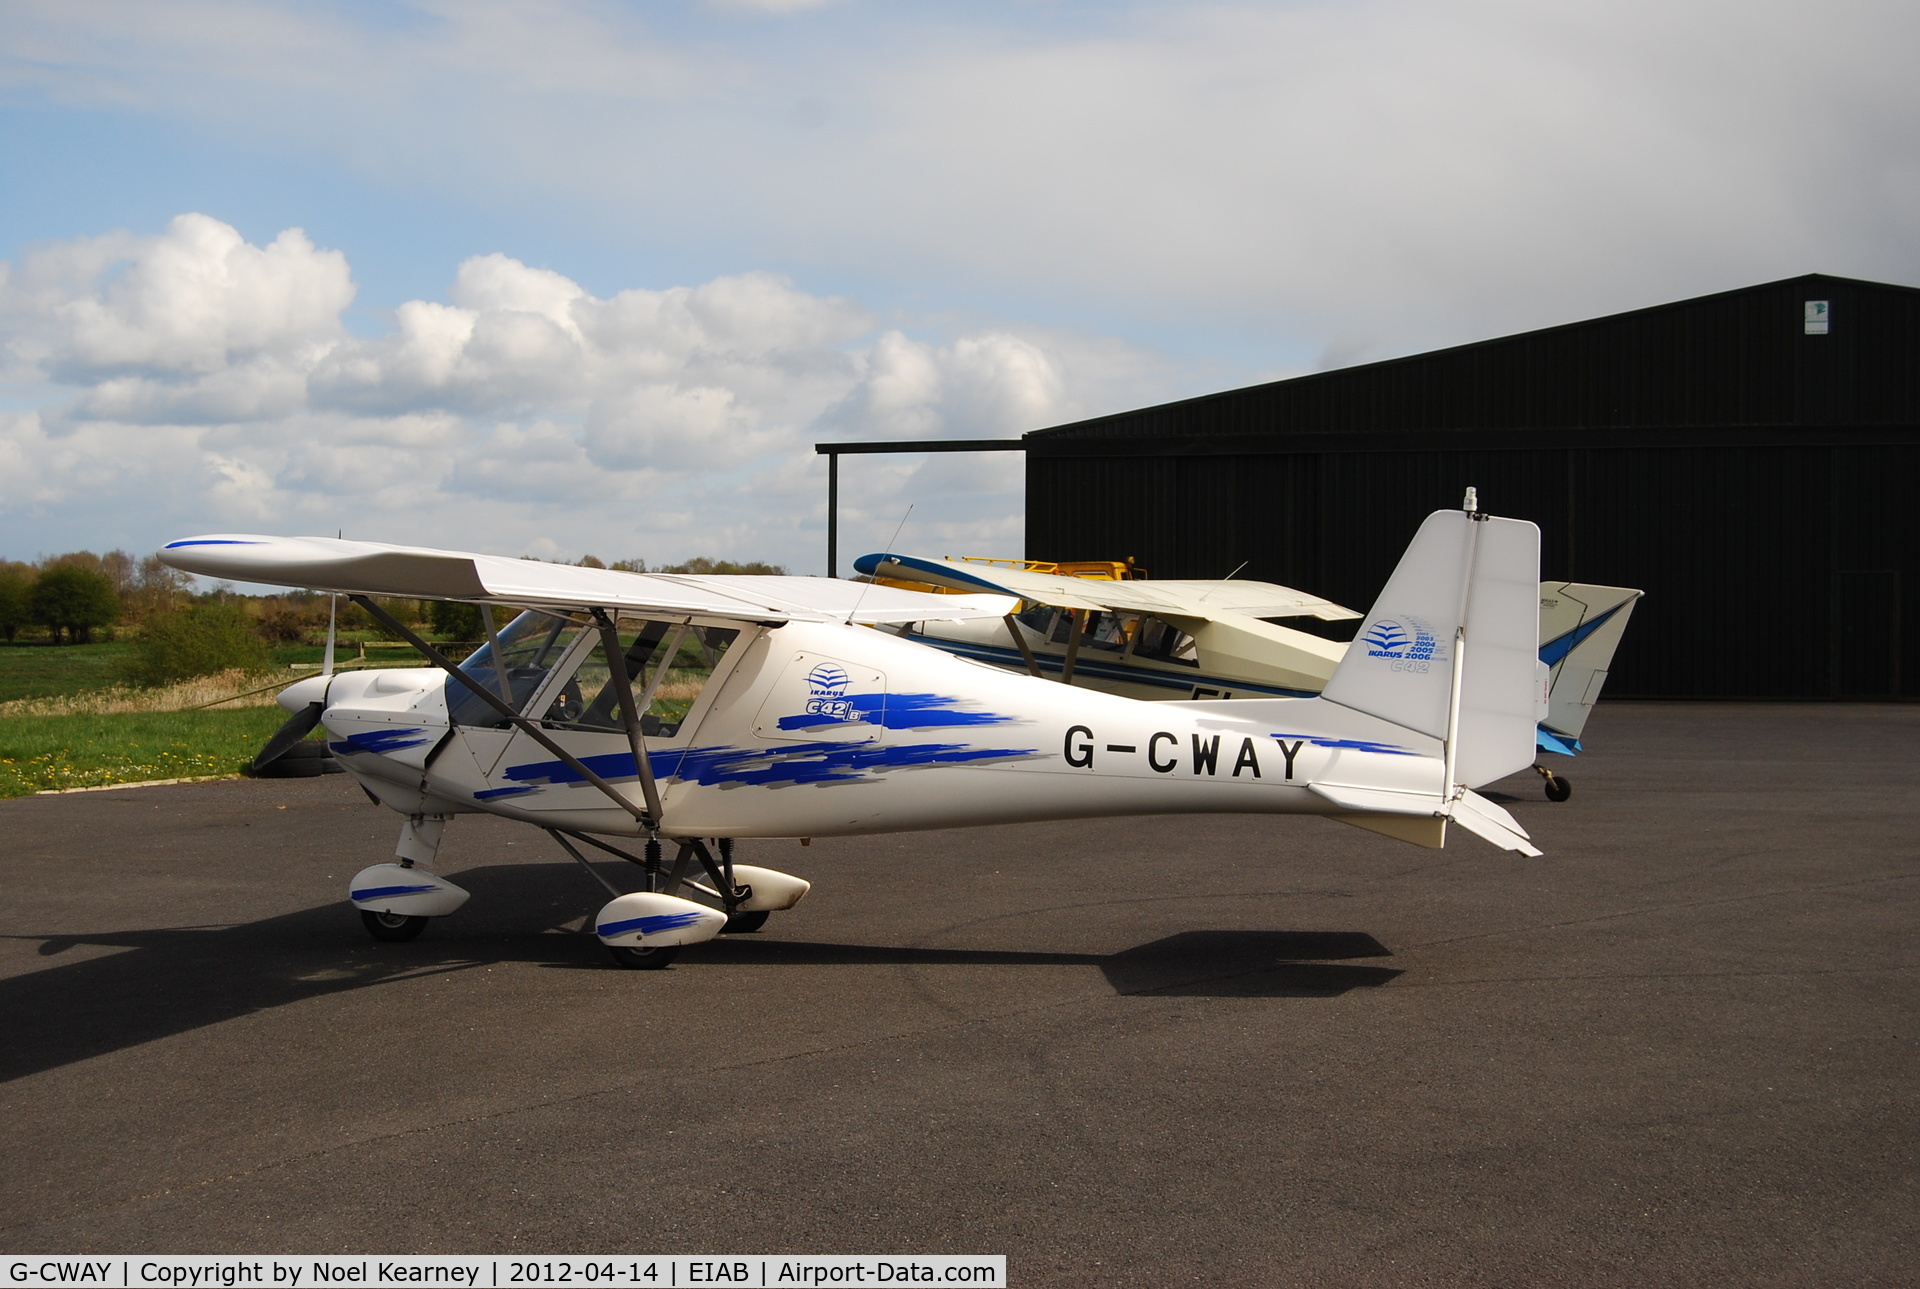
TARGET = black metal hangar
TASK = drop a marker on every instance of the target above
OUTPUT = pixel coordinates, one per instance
(1747, 458)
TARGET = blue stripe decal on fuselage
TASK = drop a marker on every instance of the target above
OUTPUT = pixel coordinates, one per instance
(1560, 646)
(1085, 666)
(773, 766)
(382, 741)
(518, 790)
(211, 541)
(897, 712)
(1350, 744)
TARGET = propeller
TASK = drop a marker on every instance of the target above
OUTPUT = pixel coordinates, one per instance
(298, 726)
(302, 722)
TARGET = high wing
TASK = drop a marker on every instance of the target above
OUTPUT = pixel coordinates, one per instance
(375, 568)
(1194, 599)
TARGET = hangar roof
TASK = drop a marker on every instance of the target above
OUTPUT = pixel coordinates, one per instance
(1745, 365)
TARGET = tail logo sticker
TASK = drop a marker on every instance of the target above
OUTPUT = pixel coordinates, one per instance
(1384, 636)
(1408, 645)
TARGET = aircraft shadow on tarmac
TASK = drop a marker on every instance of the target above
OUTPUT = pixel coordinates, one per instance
(171, 980)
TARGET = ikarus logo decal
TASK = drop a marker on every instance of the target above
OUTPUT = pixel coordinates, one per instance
(1407, 643)
(824, 698)
(1385, 636)
(828, 682)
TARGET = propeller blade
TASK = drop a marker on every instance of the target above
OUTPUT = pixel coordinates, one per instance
(298, 726)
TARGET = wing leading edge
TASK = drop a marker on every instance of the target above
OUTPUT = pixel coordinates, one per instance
(376, 568)
(1202, 599)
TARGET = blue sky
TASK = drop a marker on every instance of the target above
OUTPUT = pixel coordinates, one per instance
(583, 277)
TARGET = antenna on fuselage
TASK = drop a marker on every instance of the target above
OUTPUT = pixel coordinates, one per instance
(326, 659)
(891, 543)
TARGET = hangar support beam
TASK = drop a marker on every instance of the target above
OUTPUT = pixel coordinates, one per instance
(834, 451)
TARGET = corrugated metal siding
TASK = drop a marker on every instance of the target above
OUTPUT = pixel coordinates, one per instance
(1779, 558)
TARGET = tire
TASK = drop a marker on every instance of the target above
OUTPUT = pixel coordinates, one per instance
(289, 767)
(643, 959)
(306, 760)
(1559, 788)
(393, 927)
(745, 923)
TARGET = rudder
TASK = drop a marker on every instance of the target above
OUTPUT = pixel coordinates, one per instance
(1472, 580)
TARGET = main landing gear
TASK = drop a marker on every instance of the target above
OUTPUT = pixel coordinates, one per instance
(645, 929)
(1559, 786)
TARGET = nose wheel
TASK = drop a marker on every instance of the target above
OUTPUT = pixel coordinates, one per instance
(1559, 787)
(393, 927)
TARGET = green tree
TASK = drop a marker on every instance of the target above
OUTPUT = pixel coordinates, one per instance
(74, 600)
(16, 603)
(214, 635)
(452, 620)
(701, 564)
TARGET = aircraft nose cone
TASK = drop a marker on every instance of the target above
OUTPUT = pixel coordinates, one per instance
(300, 693)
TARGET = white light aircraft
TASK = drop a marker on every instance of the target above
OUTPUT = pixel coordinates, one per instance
(1226, 639)
(691, 709)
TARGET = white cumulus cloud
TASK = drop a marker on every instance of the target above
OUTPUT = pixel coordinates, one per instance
(189, 380)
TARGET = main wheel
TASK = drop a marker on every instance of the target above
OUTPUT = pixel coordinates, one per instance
(745, 923)
(393, 926)
(1559, 788)
(643, 959)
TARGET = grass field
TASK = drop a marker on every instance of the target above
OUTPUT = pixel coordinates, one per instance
(85, 750)
(41, 752)
(48, 671)
(52, 671)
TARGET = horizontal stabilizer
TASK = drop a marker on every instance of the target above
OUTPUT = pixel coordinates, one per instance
(1418, 817)
(1382, 801)
(1478, 815)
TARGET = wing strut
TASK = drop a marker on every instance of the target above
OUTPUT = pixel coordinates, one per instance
(623, 687)
(525, 726)
(1013, 627)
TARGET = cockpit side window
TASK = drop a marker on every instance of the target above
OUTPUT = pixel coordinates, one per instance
(1038, 617)
(1164, 642)
(530, 646)
(668, 666)
(1098, 630)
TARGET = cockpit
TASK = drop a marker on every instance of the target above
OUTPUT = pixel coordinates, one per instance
(557, 664)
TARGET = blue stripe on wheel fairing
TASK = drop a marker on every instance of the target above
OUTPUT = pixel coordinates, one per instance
(651, 925)
(384, 892)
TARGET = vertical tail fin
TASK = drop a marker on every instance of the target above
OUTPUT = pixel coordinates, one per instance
(1580, 626)
(1464, 601)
